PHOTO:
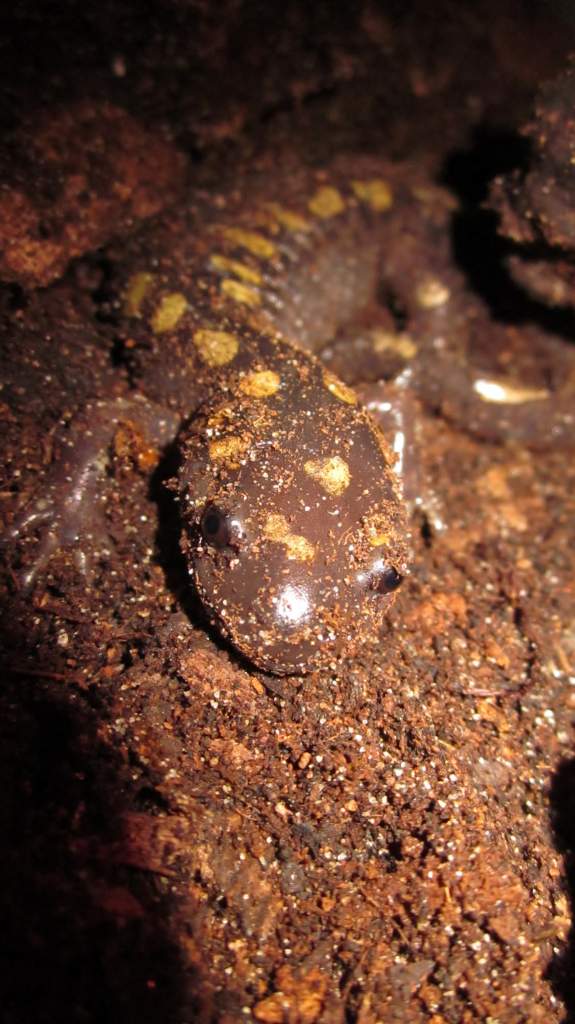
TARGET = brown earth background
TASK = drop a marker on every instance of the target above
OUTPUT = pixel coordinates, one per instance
(183, 838)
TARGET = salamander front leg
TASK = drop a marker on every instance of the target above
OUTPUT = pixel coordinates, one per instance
(70, 510)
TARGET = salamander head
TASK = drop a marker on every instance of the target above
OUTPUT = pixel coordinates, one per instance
(294, 531)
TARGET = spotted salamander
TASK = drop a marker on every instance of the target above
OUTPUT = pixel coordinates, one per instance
(293, 522)
(294, 527)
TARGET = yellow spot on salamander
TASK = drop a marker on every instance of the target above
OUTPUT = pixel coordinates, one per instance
(432, 195)
(327, 202)
(228, 266)
(216, 348)
(297, 547)
(376, 193)
(502, 393)
(136, 291)
(240, 292)
(260, 383)
(339, 389)
(378, 540)
(257, 244)
(398, 344)
(378, 531)
(229, 449)
(331, 473)
(288, 218)
(432, 293)
(169, 312)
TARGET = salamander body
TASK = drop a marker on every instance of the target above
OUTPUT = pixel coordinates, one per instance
(293, 521)
(294, 530)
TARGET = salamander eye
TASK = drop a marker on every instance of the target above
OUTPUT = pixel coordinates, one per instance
(216, 527)
(386, 580)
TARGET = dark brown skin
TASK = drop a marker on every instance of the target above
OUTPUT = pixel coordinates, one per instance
(294, 525)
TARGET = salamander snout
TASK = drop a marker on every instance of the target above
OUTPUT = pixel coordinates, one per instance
(288, 589)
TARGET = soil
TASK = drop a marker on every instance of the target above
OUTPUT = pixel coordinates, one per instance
(184, 838)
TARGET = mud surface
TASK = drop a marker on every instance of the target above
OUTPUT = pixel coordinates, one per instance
(184, 838)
